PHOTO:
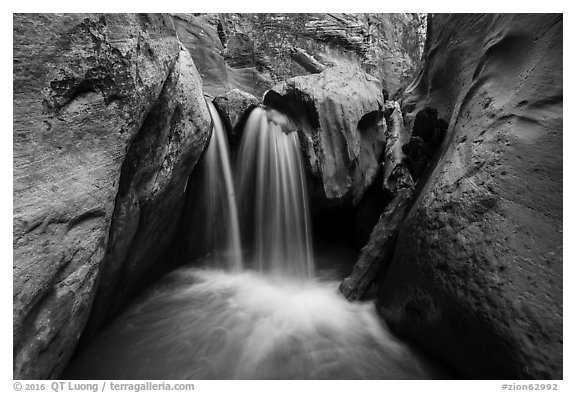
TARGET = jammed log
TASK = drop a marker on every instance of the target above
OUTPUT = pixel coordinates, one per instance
(396, 174)
(305, 60)
(377, 254)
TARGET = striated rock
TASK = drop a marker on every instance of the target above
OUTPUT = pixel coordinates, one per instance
(253, 51)
(200, 37)
(339, 113)
(84, 86)
(233, 107)
(476, 279)
(153, 181)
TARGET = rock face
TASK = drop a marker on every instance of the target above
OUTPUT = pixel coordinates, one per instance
(340, 118)
(153, 182)
(201, 39)
(476, 278)
(84, 91)
(254, 51)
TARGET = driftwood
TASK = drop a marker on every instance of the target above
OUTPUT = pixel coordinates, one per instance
(377, 253)
(309, 63)
(396, 174)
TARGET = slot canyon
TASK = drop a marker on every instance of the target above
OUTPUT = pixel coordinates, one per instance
(287, 196)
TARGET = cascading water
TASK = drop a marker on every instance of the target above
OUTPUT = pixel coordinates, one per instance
(215, 203)
(276, 321)
(272, 196)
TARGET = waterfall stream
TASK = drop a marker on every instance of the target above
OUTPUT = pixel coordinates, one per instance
(220, 197)
(272, 197)
(270, 317)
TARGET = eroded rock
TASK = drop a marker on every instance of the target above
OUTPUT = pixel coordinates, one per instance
(200, 37)
(83, 88)
(152, 186)
(339, 113)
(233, 107)
(476, 278)
(254, 51)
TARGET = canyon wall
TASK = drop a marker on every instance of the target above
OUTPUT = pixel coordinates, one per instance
(476, 279)
(253, 52)
(109, 120)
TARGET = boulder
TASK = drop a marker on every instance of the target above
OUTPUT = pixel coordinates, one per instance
(476, 278)
(233, 108)
(84, 86)
(342, 130)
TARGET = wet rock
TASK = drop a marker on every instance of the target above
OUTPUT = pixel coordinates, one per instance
(339, 113)
(83, 88)
(233, 108)
(476, 278)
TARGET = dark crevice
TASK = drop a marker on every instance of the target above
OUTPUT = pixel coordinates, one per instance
(370, 120)
(427, 135)
(187, 243)
(298, 107)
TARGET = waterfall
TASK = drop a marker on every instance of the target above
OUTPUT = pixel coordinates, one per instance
(272, 322)
(217, 210)
(272, 196)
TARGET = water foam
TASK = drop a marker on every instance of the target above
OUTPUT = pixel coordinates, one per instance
(213, 324)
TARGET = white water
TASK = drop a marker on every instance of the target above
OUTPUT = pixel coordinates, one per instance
(210, 324)
(273, 198)
(273, 322)
(220, 215)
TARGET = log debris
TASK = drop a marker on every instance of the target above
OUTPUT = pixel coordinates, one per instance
(377, 253)
(308, 62)
(396, 174)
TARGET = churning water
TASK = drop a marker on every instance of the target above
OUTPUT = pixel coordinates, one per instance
(271, 320)
(210, 324)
